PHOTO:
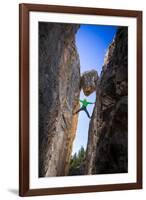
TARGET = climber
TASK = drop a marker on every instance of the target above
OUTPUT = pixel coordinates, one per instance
(84, 107)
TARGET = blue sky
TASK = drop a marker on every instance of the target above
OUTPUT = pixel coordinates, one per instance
(92, 42)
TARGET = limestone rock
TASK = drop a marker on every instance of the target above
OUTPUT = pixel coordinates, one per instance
(58, 96)
(107, 148)
(89, 82)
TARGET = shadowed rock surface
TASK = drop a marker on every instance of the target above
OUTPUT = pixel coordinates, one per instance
(108, 133)
(89, 82)
(59, 82)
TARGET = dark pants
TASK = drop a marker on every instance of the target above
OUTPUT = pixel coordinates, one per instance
(85, 109)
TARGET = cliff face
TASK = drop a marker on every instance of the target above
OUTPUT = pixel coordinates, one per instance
(59, 82)
(108, 132)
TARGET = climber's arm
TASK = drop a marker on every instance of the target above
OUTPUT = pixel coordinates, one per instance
(81, 101)
(91, 102)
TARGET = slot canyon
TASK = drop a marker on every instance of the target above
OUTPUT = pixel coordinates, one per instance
(60, 83)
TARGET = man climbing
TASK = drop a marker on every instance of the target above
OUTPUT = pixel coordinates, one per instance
(85, 103)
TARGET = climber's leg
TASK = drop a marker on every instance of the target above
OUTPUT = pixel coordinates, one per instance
(78, 110)
(85, 109)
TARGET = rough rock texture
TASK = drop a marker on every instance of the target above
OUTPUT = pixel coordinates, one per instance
(89, 82)
(59, 82)
(108, 133)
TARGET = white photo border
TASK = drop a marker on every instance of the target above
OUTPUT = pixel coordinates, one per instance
(50, 182)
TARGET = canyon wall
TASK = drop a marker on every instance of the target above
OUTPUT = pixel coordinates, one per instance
(107, 148)
(59, 88)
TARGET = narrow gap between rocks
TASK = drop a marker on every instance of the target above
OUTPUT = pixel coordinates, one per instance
(92, 42)
(88, 61)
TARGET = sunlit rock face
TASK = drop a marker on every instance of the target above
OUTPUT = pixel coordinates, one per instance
(107, 148)
(59, 88)
(89, 82)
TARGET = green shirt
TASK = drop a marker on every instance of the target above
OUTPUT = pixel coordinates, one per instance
(85, 103)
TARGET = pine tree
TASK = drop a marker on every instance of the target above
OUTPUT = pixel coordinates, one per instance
(77, 163)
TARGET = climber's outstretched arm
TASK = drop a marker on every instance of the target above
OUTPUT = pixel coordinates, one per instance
(91, 102)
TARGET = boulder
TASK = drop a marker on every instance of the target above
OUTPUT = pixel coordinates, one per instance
(89, 82)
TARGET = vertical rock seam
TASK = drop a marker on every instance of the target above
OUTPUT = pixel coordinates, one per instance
(107, 148)
(59, 88)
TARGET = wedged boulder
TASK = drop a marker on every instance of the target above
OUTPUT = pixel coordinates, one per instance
(89, 82)
(59, 80)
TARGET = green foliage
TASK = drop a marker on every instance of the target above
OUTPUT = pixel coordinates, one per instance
(77, 163)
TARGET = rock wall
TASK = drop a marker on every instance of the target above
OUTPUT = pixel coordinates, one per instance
(59, 82)
(108, 133)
